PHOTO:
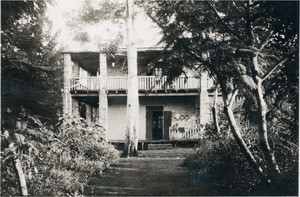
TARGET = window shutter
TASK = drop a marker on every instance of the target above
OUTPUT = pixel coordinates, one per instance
(167, 123)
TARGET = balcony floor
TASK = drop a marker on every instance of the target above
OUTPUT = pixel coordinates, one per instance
(188, 92)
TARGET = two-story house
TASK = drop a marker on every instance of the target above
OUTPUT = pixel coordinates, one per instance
(95, 88)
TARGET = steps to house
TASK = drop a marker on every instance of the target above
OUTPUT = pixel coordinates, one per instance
(159, 146)
(174, 153)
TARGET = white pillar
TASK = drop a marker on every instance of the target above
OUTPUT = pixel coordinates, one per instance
(75, 107)
(94, 114)
(102, 92)
(88, 113)
(204, 103)
(67, 100)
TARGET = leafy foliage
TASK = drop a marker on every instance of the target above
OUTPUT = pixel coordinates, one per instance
(106, 16)
(219, 162)
(77, 153)
(247, 46)
(30, 64)
(85, 141)
(100, 11)
(56, 162)
(31, 85)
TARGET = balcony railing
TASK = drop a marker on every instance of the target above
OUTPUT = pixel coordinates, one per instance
(161, 83)
(146, 83)
(116, 83)
(84, 83)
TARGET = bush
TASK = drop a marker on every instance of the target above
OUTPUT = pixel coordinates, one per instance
(57, 182)
(65, 157)
(84, 144)
(219, 162)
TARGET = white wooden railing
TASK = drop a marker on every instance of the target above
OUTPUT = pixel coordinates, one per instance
(184, 133)
(145, 83)
(116, 83)
(160, 83)
(84, 83)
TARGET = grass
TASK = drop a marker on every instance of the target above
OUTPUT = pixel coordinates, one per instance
(155, 173)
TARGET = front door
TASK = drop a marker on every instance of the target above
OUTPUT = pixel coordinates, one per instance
(154, 122)
(157, 125)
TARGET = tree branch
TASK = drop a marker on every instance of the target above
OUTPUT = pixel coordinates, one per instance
(44, 68)
(223, 23)
(242, 4)
(266, 39)
(156, 21)
(278, 64)
(249, 25)
(31, 66)
(198, 57)
(237, 8)
(250, 50)
(274, 68)
(235, 91)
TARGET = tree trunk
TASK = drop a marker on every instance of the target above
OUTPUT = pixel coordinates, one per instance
(214, 111)
(235, 130)
(262, 125)
(21, 177)
(131, 145)
(263, 132)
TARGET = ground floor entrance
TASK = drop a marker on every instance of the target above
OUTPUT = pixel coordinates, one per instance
(161, 118)
(158, 122)
(157, 125)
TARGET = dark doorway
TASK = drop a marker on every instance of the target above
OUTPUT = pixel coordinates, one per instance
(82, 110)
(157, 125)
(154, 122)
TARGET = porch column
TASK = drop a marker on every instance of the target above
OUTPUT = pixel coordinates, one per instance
(75, 107)
(204, 104)
(88, 113)
(67, 100)
(94, 114)
(102, 92)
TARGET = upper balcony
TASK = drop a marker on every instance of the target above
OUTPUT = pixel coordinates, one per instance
(147, 84)
(82, 73)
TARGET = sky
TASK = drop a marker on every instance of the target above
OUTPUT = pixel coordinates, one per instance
(147, 33)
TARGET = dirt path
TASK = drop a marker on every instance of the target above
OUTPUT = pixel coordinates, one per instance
(152, 173)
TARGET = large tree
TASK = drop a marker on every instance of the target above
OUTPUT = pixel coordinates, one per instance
(131, 143)
(29, 77)
(116, 13)
(249, 47)
(29, 62)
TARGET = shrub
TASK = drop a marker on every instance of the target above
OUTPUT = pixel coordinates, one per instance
(57, 182)
(64, 159)
(219, 161)
(85, 142)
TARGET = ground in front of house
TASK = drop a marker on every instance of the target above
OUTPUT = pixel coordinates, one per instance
(154, 172)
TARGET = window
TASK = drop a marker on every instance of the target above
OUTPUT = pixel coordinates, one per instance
(154, 71)
(157, 72)
(82, 110)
